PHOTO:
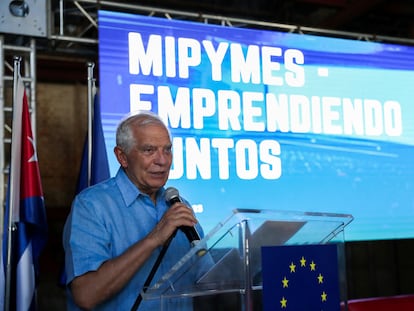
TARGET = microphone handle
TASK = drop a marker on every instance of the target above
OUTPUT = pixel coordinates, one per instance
(190, 232)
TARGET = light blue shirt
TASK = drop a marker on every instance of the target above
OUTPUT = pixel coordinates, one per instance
(105, 220)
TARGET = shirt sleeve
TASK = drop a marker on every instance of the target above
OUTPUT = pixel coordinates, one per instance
(86, 240)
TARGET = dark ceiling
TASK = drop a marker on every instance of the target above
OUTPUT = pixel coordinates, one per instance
(394, 18)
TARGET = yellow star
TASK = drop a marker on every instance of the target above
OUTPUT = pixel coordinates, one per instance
(283, 303)
(320, 278)
(312, 266)
(324, 296)
(285, 282)
(303, 262)
(292, 267)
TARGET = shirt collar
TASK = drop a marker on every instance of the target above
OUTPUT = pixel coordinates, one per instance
(128, 189)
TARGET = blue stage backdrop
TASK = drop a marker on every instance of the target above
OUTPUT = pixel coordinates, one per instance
(270, 120)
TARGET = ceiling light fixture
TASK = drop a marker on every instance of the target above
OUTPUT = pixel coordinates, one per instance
(19, 8)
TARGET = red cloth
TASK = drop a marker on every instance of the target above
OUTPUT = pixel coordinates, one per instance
(400, 303)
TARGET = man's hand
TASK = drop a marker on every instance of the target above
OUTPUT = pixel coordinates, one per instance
(177, 215)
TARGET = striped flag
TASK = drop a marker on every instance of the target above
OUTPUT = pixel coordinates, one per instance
(25, 211)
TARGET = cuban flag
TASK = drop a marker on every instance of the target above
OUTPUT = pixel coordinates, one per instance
(25, 212)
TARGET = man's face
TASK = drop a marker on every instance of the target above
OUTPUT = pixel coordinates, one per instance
(149, 161)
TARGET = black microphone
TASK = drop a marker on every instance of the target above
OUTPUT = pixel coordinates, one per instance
(172, 196)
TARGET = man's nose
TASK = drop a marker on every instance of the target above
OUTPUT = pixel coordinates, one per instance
(162, 156)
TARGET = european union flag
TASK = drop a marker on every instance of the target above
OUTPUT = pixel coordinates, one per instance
(99, 167)
(300, 278)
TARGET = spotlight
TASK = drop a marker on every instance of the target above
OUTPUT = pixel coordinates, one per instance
(24, 17)
(19, 8)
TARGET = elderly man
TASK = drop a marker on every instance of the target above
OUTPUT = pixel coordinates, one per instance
(117, 228)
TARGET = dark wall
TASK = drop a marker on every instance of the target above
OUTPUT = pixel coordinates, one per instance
(380, 268)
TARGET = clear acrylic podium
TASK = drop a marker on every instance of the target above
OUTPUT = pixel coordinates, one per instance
(226, 264)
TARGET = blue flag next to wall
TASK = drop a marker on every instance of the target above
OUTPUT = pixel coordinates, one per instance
(300, 278)
(99, 162)
(99, 166)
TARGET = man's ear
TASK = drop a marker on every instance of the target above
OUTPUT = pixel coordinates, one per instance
(121, 156)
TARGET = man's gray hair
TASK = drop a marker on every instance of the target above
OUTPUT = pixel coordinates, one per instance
(124, 136)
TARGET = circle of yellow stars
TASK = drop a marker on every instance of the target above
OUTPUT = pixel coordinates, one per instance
(292, 269)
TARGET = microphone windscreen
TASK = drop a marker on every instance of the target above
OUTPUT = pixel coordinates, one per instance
(171, 193)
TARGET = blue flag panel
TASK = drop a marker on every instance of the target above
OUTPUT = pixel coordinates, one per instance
(99, 160)
(300, 277)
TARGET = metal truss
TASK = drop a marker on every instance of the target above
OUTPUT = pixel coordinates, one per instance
(74, 24)
(26, 53)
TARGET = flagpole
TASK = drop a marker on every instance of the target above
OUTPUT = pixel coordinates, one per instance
(14, 181)
(91, 84)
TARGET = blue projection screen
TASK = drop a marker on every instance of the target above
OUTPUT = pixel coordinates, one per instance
(270, 120)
